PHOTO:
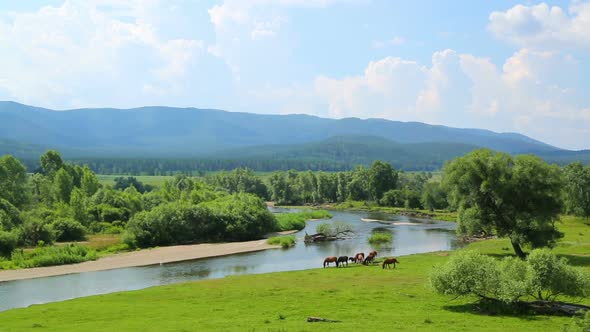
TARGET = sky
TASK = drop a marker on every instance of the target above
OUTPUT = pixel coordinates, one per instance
(507, 66)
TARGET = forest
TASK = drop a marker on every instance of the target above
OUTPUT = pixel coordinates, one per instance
(491, 193)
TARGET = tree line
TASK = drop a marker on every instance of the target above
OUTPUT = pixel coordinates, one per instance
(492, 193)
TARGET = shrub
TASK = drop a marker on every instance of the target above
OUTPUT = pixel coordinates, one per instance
(237, 217)
(552, 276)
(296, 221)
(283, 241)
(68, 229)
(542, 276)
(579, 323)
(380, 237)
(54, 255)
(467, 273)
(35, 230)
(8, 241)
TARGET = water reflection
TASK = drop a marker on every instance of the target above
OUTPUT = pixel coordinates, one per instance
(410, 236)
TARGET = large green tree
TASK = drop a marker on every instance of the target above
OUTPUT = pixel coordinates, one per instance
(518, 198)
(51, 162)
(13, 181)
(382, 178)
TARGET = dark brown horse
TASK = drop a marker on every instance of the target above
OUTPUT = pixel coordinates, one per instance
(342, 260)
(373, 253)
(331, 259)
(369, 259)
(359, 257)
(388, 261)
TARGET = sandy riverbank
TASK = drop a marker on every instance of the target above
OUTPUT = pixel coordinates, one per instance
(140, 258)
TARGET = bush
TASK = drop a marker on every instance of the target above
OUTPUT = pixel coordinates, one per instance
(55, 255)
(552, 276)
(8, 241)
(542, 276)
(296, 221)
(580, 323)
(467, 273)
(68, 229)
(283, 241)
(237, 217)
(35, 230)
(380, 237)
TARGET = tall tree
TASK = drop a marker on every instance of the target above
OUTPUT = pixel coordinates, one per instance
(51, 162)
(382, 177)
(63, 185)
(518, 198)
(89, 182)
(13, 181)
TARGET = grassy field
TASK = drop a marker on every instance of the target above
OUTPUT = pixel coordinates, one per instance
(362, 298)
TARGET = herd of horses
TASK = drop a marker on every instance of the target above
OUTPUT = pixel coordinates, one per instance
(359, 258)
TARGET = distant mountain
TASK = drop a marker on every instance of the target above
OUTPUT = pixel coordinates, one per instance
(206, 134)
(191, 132)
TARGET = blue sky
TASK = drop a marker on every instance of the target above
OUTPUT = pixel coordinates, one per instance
(507, 66)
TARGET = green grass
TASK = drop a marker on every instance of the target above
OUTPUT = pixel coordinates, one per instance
(363, 298)
(380, 237)
(283, 241)
(155, 180)
(296, 221)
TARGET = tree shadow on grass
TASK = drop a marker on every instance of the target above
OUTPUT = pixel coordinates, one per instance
(576, 260)
(494, 308)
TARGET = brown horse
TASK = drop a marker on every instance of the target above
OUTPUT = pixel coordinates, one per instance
(359, 257)
(331, 259)
(373, 253)
(388, 261)
(369, 259)
(342, 260)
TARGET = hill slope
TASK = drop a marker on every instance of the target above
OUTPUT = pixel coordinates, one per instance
(173, 132)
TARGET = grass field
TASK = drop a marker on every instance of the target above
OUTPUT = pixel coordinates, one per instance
(362, 298)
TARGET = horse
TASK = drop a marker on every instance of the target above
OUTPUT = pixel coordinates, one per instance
(331, 259)
(388, 261)
(373, 253)
(342, 260)
(359, 257)
(351, 259)
(369, 259)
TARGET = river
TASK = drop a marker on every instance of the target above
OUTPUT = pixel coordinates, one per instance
(410, 236)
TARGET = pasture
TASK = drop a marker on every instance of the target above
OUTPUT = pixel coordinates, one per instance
(361, 297)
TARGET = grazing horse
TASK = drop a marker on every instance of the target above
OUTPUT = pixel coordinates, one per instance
(373, 253)
(331, 259)
(369, 259)
(359, 257)
(351, 259)
(388, 261)
(342, 260)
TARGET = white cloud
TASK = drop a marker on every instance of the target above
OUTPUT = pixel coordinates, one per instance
(100, 52)
(533, 92)
(543, 26)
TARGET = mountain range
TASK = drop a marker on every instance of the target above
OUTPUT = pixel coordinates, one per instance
(167, 132)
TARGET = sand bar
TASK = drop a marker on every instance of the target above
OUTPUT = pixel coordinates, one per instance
(140, 258)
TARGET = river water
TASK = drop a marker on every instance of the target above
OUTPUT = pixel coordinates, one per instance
(410, 236)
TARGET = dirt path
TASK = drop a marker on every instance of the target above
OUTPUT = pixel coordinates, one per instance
(140, 258)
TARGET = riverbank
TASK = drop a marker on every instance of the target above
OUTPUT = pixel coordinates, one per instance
(362, 298)
(372, 207)
(144, 257)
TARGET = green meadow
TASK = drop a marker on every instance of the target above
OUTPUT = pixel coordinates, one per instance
(362, 298)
